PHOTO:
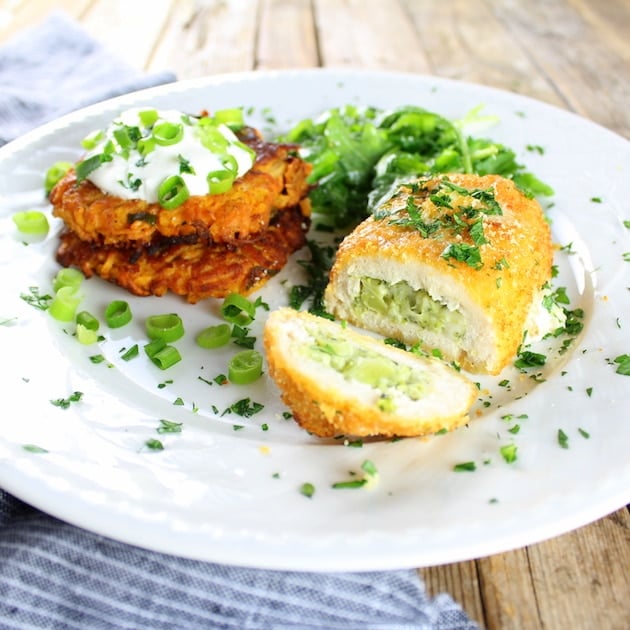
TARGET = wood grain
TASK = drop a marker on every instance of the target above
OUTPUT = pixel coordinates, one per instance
(287, 36)
(571, 53)
(368, 34)
(594, 80)
(464, 40)
(207, 38)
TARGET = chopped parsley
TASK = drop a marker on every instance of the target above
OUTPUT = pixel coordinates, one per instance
(368, 478)
(563, 439)
(508, 452)
(168, 426)
(465, 467)
(64, 403)
(33, 448)
(244, 408)
(36, 299)
(154, 445)
(623, 364)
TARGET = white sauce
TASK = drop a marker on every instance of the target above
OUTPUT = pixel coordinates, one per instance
(164, 161)
(541, 320)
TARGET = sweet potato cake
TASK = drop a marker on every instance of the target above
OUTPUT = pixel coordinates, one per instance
(276, 180)
(195, 270)
(457, 263)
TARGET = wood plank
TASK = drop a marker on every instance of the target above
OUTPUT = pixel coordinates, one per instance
(16, 16)
(464, 41)
(591, 75)
(582, 579)
(508, 592)
(286, 36)
(460, 580)
(129, 29)
(368, 34)
(610, 19)
(207, 38)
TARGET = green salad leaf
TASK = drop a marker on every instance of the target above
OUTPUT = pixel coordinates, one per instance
(360, 155)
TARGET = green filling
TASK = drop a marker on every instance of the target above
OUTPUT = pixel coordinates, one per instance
(400, 303)
(366, 366)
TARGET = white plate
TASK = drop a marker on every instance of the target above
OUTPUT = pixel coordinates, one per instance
(233, 496)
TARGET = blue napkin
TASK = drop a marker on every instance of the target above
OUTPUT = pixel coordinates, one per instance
(55, 575)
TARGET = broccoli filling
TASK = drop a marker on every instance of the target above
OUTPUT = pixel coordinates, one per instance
(402, 304)
(366, 366)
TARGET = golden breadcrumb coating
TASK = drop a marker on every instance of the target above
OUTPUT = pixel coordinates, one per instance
(495, 294)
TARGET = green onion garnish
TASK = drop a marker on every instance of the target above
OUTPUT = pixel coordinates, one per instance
(86, 336)
(64, 304)
(245, 367)
(87, 166)
(118, 313)
(166, 357)
(130, 353)
(229, 163)
(91, 140)
(148, 117)
(214, 336)
(31, 222)
(54, 174)
(232, 117)
(220, 181)
(87, 320)
(168, 326)
(238, 310)
(168, 133)
(172, 192)
(67, 277)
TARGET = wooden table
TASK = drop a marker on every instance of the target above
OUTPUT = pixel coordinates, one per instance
(572, 53)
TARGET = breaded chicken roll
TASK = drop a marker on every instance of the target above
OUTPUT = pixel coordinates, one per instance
(456, 263)
(337, 381)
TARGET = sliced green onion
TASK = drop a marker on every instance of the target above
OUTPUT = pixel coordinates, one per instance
(166, 357)
(238, 310)
(172, 192)
(168, 133)
(131, 353)
(87, 166)
(145, 146)
(229, 162)
(64, 304)
(245, 367)
(67, 277)
(153, 347)
(54, 174)
(91, 140)
(148, 117)
(87, 320)
(168, 327)
(118, 313)
(211, 137)
(86, 336)
(214, 336)
(219, 181)
(232, 117)
(124, 136)
(31, 222)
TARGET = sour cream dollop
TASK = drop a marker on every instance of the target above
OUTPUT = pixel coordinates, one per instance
(143, 148)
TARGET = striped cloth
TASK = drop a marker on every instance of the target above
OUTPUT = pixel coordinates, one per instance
(55, 575)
